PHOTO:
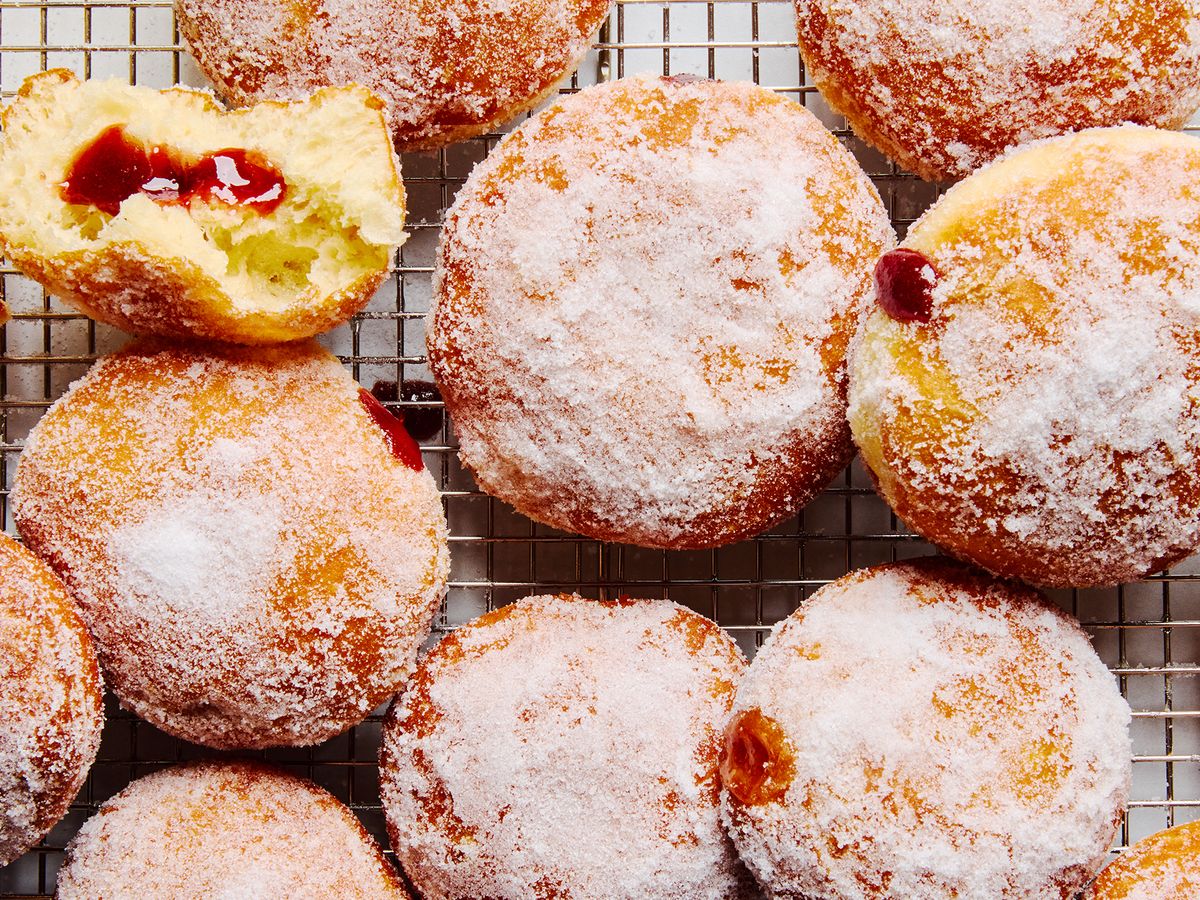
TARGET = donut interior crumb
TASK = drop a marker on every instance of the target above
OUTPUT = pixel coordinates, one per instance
(338, 221)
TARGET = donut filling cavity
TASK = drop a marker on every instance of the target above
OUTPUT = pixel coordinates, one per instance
(115, 166)
(904, 282)
(757, 766)
(403, 447)
(421, 422)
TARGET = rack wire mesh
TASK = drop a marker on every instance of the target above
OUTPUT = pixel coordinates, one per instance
(1148, 633)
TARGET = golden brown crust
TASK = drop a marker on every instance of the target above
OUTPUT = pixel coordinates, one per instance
(51, 700)
(628, 696)
(139, 291)
(946, 87)
(185, 493)
(570, 246)
(1039, 424)
(985, 753)
(232, 829)
(1163, 866)
(448, 70)
(130, 277)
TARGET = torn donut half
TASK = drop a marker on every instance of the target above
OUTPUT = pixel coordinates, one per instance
(162, 213)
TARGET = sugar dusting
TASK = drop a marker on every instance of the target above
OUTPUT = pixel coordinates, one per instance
(255, 565)
(50, 700)
(1063, 366)
(1173, 879)
(563, 747)
(953, 737)
(225, 831)
(179, 550)
(445, 69)
(1163, 866)
(642, 301)
(948, 86)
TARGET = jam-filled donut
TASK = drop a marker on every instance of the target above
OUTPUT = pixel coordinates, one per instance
(1025, 389)
(225, 830)
(565, 748)
(944, 86)
(1163, 866)
(918, 730)
(252, 538)
(448, 69)
(161, 213)
(51, 700)
(642, 304)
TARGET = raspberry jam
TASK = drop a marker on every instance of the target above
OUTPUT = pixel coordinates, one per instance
(115, 166)
(757, 765)
(403, 447)
(904, 282)
(238, 178)
(422, 422)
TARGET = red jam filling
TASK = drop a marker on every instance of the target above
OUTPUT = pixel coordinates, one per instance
(403, 447)
(757, 765)
(904, 282)
(115, 166)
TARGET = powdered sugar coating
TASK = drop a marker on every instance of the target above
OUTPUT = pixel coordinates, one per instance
(447, 69)
(256, 567)
(944, 87)
(225, 831)
(565, 748)
(642, 303)
(1044, 423)
(51, 700)
(951, 736)
(1164, 866)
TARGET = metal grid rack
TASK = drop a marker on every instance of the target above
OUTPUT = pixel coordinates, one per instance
(1149, 633)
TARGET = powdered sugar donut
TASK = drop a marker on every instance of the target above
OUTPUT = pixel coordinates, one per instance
(642, 303)
(225, 829)
(448, 69)
(257, 558)
(917, 730)
(1023, 391)
(565, 748)
(1164, 866)
(51, 700)
(944, 87)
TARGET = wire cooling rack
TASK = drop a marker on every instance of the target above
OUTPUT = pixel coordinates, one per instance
(1147, 632)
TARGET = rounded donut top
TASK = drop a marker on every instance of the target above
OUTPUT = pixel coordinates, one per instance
(563, 747)
(643, 299)
(257, 560)
(225, 829)
(51, 700)
(447, 69)
(922, 730)
(1163, 866)
(1042, 421)
(944, 87)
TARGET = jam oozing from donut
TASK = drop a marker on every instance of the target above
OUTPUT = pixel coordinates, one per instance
(238, 178)
(403, 447)
(422, 422)
(107, 171)
(757, 765)
(115, 166)
(904, 282)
